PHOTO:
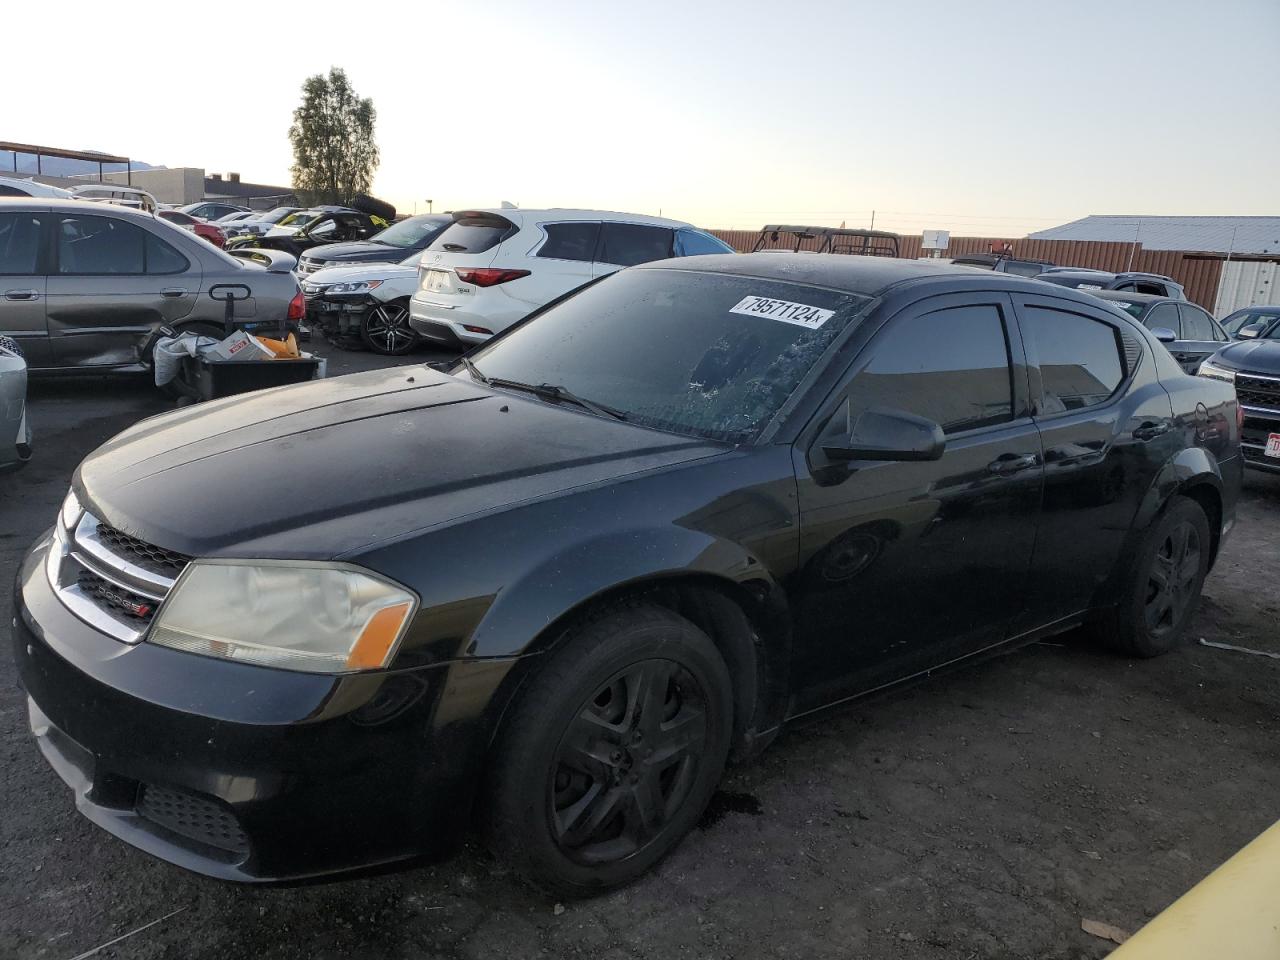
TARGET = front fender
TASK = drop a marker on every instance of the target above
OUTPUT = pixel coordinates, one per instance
(566, 581)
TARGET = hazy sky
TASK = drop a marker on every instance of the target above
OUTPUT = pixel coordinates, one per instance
(978, 118)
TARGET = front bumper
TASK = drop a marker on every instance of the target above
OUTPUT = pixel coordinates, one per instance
(246, 773)
(338, 317)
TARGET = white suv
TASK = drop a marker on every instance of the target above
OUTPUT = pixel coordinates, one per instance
(490, 268)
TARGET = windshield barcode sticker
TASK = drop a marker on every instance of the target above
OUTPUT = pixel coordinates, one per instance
(801, 314)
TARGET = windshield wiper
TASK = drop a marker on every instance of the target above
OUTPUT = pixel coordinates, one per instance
(547, 391)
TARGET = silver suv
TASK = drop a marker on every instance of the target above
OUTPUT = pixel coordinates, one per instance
(86, 285)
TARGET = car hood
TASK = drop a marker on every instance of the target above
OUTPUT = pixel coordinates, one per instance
(1261, 356)
(358, 250)
(321, 470)
(348, 273)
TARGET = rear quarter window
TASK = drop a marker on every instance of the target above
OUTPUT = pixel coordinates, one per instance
(1081, 360)
(472, 235)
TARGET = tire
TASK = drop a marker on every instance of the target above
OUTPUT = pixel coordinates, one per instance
(587, 789)
(385, 329)
(1164, 587)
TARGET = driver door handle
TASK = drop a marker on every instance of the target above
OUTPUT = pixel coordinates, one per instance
(173, 292)
(22, 294)
(1150, 430)
(1008, 463)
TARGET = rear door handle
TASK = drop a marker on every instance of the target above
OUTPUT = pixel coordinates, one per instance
(1150, 430)
(22, 294)
(172, 292)
(1008, 463)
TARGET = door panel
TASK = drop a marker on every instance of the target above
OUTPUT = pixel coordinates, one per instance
(1105, 423)
(102, 303)
(23, 285)
(905, 566)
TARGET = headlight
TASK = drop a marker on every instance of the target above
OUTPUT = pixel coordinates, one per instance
(321, 618)
(71, 511)
(1214, 372)
(359, 286)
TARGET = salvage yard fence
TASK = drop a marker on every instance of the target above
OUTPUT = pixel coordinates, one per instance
(1200, 272)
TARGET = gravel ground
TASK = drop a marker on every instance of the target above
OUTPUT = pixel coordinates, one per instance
(981, 815)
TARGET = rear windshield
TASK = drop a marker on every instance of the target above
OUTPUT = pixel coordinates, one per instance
(700, 354)
(472, 235)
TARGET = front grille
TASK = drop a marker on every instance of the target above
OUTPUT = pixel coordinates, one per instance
(1258, 391)
(132, 607)
(307, 265)
(109, 579)
(196, 817)
(166, 563)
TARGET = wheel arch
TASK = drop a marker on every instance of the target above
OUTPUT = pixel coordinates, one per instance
(747, 621)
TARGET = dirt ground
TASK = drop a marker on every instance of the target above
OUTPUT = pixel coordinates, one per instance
(981, 815)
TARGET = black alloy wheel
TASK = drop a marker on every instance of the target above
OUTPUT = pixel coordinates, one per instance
(1163, 581)
(1172, 578)
(627, 761)
(386, 329)
(610, 753)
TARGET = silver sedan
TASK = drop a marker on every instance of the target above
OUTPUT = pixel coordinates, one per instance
(86, 285)
(15, 433)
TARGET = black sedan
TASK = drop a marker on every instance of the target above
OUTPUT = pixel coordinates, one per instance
(387, 246)
(1187, 330)
(555, 588)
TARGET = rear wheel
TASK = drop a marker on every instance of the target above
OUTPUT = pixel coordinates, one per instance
(612, 753)
(386, 329)
(1164, 588)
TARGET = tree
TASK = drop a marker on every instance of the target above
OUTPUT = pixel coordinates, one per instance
(334, 155)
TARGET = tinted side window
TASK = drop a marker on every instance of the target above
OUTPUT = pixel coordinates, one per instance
(162, 258)
(951, 366)
(1081, 359)
(1164, 315)
(19, 243)
(692, 243)
(627, 244)
(1155, 289)
(100, 245)
(570, 241)
(1196, 324)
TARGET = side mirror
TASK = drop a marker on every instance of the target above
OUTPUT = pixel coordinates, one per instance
(881, 433)
(1251, 330)
(1164, 334)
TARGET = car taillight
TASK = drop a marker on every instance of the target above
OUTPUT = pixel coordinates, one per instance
(297, 307)
(488, 276)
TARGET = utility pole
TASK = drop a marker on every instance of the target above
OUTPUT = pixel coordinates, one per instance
(1134, 249)
(873, 219)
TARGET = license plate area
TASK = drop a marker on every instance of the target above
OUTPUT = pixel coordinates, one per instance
(1273, 446)
(437, 281)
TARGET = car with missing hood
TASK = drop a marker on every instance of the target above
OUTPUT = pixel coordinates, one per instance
(88, 285)
(330, 225)
(553, 588)
(366, 303)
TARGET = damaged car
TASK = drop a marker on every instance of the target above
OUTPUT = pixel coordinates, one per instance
(88, 286)
(553, 589)
(364, 303)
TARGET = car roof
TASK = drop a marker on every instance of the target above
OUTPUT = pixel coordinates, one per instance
(522, 216)
(867, 276)
(79, 206)
(1129, 296)
(1263, 308)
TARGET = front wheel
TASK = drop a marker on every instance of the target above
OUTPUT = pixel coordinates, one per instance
(386, 329)
(1164, 587)
(612, 754)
